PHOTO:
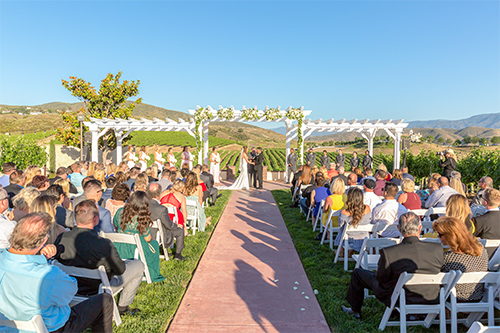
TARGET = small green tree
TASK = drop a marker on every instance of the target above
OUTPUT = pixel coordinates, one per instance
(495, 139)
(440, 140)
(22, 152)
(457, 143)
(449, 141)
(483, 141)
(109, 102)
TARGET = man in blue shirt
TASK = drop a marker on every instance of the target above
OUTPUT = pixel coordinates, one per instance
(7, 169)
(46, 290)
(76, 177)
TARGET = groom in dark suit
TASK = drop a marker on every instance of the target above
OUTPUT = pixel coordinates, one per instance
(259, 159)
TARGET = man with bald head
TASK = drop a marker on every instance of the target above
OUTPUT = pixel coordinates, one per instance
(171, 231)
(439, 197)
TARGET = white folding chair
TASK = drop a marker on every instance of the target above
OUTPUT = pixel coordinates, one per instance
(319, 217)
(35, 324)
(173, 210)
(477, 327)
(96, 274)
(130, 239)
(420, 212)
(490, 244)
(329, 226)
(491, 282)
(159, 238)
(310, 211)
(494, 263)
(369, 253)
(383, 227)
(344, 242)
(427, 227)
(445, 280)
(193, 217)
(437, 210)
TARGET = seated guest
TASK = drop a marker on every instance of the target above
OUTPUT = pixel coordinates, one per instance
(457, 185)
(352, 179)
(135, 218)
(141, 182)
(318, 194)
(389, 210)
(134, 172)
(388, 175)
(165, 179)
(296, 177)
(438, 198)
(355, 213)
(151, 176)
(357, 171)
(85, 168)
(174, 197)
(76, 176)
(100, 175)
(332, 172)
(369, 198)
(424, 194)
(93, 191)
(380, 182)
(31, 171)
(6, 225)
(110, 184)
(22, 202)
(7, 169)
(47, 204)
(111, 169)
(119, 196)
(81, 197)
(65, 184)
(82, 247)
(368, 175)
(171, 231)
(17, 180)
(397, 177)
(336, 201)
(204, 189)
(457, 206)
(64, 217)
(306, 176)
(305, 201)
(41, 183)
(409, 198)
(62, 173)
(208, 179)
(184, 172)
(120, 177)
(193, 191)
(466, 254)
(406, 175)
(484, 183)
(395, 260)
(46, 290)
(341, 175)
(122, 167)
(488, 225)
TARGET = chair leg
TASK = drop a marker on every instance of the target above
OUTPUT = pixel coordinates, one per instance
(324, 232)
(385, 319)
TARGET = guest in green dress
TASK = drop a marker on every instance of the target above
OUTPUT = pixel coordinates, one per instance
(135, 218)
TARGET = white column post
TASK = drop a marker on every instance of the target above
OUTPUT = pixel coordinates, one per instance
(302, 145)
(199, 132)
(119, 150)
(371, 135)
(95, 146)
(205, 142)
(397, 148)
(287, 152)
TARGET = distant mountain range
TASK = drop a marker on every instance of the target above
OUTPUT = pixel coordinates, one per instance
(487, 120)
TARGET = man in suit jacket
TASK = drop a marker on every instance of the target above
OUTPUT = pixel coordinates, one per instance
(171, 231)
(354, 162)
(325, 159)
(367, 160)
(311, 158)
(17, 180)
(208, 179)
(340, 159)
(291, 162)
(259, 168)
(62, 173)
(252, 181)
(412, 256)
(488, 225)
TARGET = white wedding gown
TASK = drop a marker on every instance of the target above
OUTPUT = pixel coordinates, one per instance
(241, 182)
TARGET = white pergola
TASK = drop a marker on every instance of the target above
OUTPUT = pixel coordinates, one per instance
(291, 129)
(366, 128)
(123, 127)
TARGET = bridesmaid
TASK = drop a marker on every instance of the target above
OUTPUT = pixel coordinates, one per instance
(215, 165)
(186, 158)
(131, 158)
(159, 160)
(171, 158)
(142, 158)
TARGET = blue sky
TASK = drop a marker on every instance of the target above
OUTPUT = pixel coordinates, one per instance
(415, 60)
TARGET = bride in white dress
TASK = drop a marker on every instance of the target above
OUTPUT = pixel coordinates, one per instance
(241, 182)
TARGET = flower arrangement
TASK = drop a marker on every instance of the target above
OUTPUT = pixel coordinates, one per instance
(272, 114)
(201, 114)
(251, 114)
(225, 113)
(297, 114)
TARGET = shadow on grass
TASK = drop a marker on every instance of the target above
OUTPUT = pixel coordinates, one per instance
(159, 301)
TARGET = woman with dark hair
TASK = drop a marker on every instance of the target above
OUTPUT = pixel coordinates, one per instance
(354, 214)
(187, 158)
(193, 191)
(135, 218)
(397, 178)
(359, 173)
(306, 178)
(120, 194)
(318, 194)
(466, 254)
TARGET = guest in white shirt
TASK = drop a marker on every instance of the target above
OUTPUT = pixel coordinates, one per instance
(389, 211)
(370, 198)
(439, 197)
(6, 225)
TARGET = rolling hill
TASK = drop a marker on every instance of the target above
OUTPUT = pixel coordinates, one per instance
(487, 120)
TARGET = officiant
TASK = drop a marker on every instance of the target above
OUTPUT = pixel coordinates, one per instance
(259, 168)
(251, 168)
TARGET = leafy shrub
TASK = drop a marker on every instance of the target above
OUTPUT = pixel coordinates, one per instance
(22, 152)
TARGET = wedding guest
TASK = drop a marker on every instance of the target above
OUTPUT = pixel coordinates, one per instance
(438, 198)
(100, 175)
(66, 186)
(120, 177)
(110, 185)
(208, 179)
(30, 172)
(341, 175)
(91, 169)
(320, 193)
(406, 175)
(466, 254)
(6, 224)
(152, 174)
(388, 175)
(135, 218)
(488, 225)
(134, 172)
(335, 201)
(388, 211)
(141, 182)
(41, 183)
(7, 169)
(47, 204)
(457, 206)
(111, 169)
(398, 177)
(370, 198)
(409, 198)
(22, 202)
(380, 182)
(93, 191)
(368, 175)
(119, 195)
(193, 191)
(175, 198)
(63, 217)
(62, 173)
(122, 167)
(484, 183)
(164, 181)
(76, 177)
(457, 185)
(332, 172)
(17, 180)
(85, 168)
(359, 174)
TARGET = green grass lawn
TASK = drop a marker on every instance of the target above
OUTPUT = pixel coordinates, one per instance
(159, 301)
(330, 279)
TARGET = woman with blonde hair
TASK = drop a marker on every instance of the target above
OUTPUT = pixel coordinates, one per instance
(171, 160)
(30, 172)
(100, 176)
(174, 197)
(47, 204)
(111, 169)
(141, 182)
(158, 157)
(314, 170)
(64, 183)
(466, 254)
(193, 191)
(122, 167)
(22, 202)
(91, 170)
(458, 206)
(409, 198)
(397, 178)
(143, 157)
(359, 173)
(383, 167)
(335, 201)
(457, 185)
(306, 178)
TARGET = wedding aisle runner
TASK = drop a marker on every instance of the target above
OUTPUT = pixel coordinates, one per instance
(250, 278)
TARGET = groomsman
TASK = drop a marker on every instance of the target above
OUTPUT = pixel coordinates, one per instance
(354, 161)
(251, 168)
(291, 161)
(340, 159)
(367, 160)
(311, 158)
(259, 159)
(325, 159)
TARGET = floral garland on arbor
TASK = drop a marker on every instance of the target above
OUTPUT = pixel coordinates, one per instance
(251, 114)
(200, 115)
(297, 114)
(272, 114)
